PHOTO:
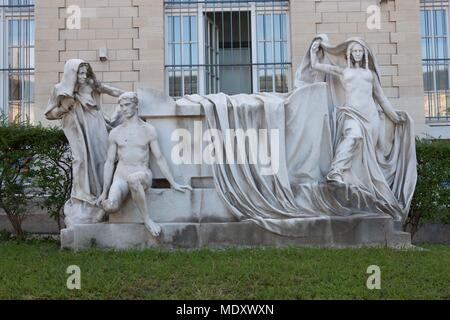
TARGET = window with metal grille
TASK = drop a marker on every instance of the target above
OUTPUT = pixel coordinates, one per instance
(435, 59)
(230, 46)
(17, 58)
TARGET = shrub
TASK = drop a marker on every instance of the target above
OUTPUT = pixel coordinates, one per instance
(431, 202)
(34, 160)
(16, 171)
(53, 172)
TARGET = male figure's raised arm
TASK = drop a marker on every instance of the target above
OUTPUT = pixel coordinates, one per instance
(162, 163)
(108, 170)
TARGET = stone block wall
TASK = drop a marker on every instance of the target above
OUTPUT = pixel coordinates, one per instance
(133, 32)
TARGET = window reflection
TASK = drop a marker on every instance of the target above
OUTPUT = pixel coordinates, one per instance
(272, 52)
(18, 61)
(182, 55)
(435, 50)
(231, 58)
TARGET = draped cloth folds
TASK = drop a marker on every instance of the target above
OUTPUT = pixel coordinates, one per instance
(307, 124)
(249, 192)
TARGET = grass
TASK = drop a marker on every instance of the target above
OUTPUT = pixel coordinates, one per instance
(37, 270)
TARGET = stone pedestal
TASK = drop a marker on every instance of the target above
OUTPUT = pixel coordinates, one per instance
(170, 206)
(352, 231)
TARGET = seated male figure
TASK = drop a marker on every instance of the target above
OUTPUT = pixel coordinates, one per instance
(130, 145)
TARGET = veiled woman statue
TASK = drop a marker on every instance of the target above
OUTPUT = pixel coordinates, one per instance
(76, 101)
(373, 145)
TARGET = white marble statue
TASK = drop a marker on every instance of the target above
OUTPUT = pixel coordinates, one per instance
(130, 144)
(332, 147)
(76, 101)
(373, 145)
(359, 117)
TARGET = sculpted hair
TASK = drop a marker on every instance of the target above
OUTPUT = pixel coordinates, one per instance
(91, 78)
(90, 73)
(130, 96)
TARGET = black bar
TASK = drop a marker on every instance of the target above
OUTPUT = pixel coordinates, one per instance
(230, 65)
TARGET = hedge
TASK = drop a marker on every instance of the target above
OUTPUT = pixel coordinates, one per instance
(35, 162)
(431, 202)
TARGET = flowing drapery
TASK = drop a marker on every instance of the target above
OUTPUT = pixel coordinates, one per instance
(289, 201)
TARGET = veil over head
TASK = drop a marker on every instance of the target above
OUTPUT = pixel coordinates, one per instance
(334, 55)
(66, 87)
(70, 76)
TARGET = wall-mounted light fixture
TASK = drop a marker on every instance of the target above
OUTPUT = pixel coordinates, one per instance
(103, 54)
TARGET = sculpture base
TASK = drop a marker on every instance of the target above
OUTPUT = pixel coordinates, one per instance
(352, 231)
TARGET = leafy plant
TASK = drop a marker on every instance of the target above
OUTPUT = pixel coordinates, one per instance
(54, 172)
(431, 202)
(35, 163)
(16, 172)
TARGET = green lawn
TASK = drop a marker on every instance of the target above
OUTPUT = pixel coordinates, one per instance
(37, 270)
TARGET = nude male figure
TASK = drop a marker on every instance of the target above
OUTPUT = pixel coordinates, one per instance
(130, 145)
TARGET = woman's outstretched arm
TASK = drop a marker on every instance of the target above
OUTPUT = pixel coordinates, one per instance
(316, 65)
(107, 89)
(384, 102)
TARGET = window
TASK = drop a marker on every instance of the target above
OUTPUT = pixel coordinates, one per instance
(272, 52)
(182, 54)
(17, 58)
(435, 59)
(227, 46)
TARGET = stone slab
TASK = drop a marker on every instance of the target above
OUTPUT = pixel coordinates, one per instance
(170, 206)
(36, 223)
(352, 231)
(433, 233)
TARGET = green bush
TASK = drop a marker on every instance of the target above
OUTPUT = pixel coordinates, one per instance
(54, 172)
(34, 160)
(431, 202)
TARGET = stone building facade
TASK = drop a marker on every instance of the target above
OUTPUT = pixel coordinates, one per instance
(135, 33)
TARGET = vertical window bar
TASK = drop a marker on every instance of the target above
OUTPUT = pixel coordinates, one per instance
(248, 44)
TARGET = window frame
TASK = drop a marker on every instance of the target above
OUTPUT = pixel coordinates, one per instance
(431, 62)
(199, 8)
(8, 13)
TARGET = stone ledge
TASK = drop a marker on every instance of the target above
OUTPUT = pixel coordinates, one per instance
(354, 231)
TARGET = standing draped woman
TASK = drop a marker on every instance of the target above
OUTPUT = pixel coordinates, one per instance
(76, 101)
(374, 146)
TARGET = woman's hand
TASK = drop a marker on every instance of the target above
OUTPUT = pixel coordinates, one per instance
(402, 116)
(398, 117)
(66, 104)
(100, 199)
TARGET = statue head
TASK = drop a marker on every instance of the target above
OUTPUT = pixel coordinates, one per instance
(85, 74)
(129, 104)
(356, 53)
